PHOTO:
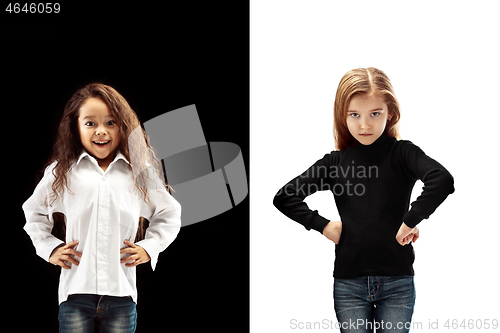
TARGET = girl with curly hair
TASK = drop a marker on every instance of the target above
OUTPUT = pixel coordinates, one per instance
(101, 183)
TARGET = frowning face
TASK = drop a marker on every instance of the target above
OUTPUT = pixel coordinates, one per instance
(367, 116)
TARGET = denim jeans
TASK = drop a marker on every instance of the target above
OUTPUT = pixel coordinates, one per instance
(384, 303)
(87, 313)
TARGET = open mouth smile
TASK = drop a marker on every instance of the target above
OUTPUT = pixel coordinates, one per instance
(101, 143)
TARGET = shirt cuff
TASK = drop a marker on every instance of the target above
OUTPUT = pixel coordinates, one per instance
(151, 247)
(411, 219)
(319, 223)
(48, 247)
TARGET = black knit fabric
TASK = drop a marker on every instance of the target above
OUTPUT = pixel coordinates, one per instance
(372, 186)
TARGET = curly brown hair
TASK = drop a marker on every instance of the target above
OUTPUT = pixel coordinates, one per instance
(68, 145)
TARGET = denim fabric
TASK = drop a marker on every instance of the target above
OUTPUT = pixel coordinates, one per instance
(87, 313)
(384, 303)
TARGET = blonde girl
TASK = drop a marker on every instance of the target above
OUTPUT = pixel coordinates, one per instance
(371, 174)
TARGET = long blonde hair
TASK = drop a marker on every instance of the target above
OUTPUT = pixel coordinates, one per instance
(363, 81)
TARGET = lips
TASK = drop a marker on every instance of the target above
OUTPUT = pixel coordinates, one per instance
(101, 143)
(365, 134)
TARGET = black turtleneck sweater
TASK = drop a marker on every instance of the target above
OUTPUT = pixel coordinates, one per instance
(372, 186)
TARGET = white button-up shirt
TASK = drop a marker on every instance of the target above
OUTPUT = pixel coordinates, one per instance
(102, 210)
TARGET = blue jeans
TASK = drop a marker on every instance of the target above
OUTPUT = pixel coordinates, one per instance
(87, 313)
(384, 303)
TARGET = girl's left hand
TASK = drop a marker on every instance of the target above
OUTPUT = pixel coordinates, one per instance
(406, 235)
(137, 255)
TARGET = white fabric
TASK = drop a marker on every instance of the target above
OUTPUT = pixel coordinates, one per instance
(102, 210)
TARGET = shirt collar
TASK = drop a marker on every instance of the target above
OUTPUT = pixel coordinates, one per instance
(118, 156)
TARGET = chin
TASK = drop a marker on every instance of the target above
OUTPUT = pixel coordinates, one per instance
(365, 142)
(102, 157)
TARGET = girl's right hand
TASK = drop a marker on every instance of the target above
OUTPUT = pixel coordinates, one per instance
(65, 253)
(333, 230)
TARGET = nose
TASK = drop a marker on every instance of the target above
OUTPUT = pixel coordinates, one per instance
(100, 130)
(365, 123)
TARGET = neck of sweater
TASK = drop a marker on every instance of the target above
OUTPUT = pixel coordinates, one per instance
(382, 141)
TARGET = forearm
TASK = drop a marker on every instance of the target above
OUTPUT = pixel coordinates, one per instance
(438, 184)
(290, 198)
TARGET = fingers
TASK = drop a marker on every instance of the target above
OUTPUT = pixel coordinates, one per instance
(70, 244)
(135, 263)
(401, 240)
(63, 265)
(71, 260)
(70, 251)
(128, 250)
(412, 237)
(73, 252)
(132, 260)
(137, 254)
(65, 254)
(68, 257)
(129, 243)
(416, 235)
(62, 262)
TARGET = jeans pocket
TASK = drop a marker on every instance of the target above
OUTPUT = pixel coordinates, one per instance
(400, 290)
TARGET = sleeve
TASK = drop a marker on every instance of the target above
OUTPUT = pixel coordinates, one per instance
(438, 183)
(39, 221)
(290, 198)
(164, 215)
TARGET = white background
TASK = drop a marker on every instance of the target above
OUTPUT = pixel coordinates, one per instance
(442, 58)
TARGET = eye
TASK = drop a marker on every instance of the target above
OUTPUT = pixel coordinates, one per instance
(89, 123)
(110, 123)
(354, 115)
(375, 114)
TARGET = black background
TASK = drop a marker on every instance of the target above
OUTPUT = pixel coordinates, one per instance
(160, 58)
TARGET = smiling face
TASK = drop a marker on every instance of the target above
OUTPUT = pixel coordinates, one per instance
(367, 116)
(99, 132)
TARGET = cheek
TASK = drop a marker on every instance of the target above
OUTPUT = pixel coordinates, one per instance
(381, 124)
(84, 134)
(115, 134)
(351, 123)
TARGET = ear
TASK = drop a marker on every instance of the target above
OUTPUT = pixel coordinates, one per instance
(390, 116)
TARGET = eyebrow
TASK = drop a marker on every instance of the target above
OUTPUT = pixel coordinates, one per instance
(377, 109)
(93, 117)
